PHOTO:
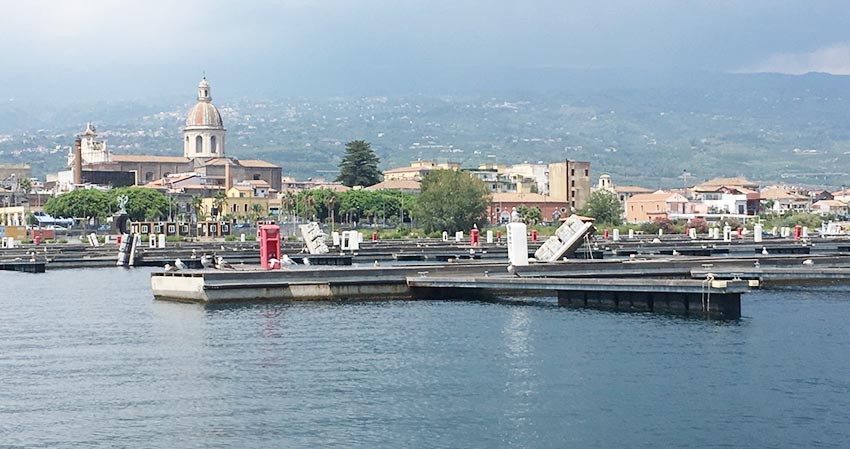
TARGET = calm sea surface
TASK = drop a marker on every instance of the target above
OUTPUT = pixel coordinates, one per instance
(88, 359)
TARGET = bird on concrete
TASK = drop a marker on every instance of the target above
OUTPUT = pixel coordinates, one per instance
(286, 260)
(764, 251)
(808, 262)
(512, 270)
(222, 264)
(274, 263)
(179, 264)
(756, 264)
(376, 264)
(676, 253)
(170, 268)
(207, 261)
(306, 261)
(194, 254)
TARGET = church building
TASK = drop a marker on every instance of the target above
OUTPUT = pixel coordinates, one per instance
(204, 152)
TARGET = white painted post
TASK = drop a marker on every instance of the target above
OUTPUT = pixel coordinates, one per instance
(660, 232)
(151, 240)
(458, 236)
(335, 238)
(354, 240)
(489, 236)
(615, 235)
(727, 233)
(242, 237)
(757, 230)
(161, 242)
(631, 234)
(445, 236)
(692, 233)
(805, 232)
(517, 244)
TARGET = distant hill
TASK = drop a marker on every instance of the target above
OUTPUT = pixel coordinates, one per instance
(641, 127)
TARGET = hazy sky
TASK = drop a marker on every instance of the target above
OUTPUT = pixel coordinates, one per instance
(157, 45)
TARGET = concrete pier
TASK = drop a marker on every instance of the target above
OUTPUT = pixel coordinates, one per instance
(719, 299)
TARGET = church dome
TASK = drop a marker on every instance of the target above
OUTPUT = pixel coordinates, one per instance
(204, 114)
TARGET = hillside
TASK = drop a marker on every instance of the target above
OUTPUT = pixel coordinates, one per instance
(645, 130)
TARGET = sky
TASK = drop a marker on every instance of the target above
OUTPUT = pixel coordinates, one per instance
(124, 49)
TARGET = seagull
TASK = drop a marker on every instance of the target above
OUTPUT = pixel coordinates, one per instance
(207, 261)
(287, 260)
(676, 253)
(222, 264)
(179, 264)
(512, 270)
(306, 261)
(808, 262)
(170, 268)
(756, 264)
(274, 262)
(194, 254)
(764, 251)
(376, 264)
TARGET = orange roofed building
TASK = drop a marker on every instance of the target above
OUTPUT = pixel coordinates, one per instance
(646, 207)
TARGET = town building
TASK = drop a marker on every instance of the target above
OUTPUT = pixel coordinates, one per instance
(569, 182)
(728, 196)
(647, 207)
(831, 207)
(417, 170)
(503, 204)
(204, 152)
(780, 201)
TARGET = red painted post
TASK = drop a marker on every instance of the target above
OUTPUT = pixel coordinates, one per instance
(798, 231)
(270, 246)
(473, 237)
(534, 235)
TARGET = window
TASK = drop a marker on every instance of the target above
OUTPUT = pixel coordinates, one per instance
(246, 207)
(573, 183)
(199, 144)
(213, 148)
(149, 176)
(573, 172)
(256, 176)
(586, 172)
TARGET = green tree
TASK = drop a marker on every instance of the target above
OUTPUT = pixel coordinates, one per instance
(257, 212)
(220, 202)
(81, 203)
(359, 166)
(451, 201)
(25, 184)
(604, 207)
(197, 203)
(142, 204)
(530, 215)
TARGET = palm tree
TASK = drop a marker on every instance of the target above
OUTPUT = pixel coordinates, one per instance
(220, 202)
(256, 211)
(288, 202)
(196, 202)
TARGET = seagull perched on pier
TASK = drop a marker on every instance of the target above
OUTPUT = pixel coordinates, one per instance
(179, 264)
(286, 260)
(170, 268)
(194, 253)
(676, 253)
(306, 261)
(376, 264)
(764, 251)
(512, 270)
(756, 264)
(808, 262)
(222, 264)
(273, 263)
(207, 261)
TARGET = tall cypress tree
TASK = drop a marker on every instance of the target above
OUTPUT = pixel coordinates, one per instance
(359, 166)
